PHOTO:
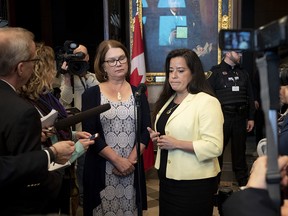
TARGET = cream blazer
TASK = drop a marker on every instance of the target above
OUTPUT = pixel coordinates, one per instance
(198, 119)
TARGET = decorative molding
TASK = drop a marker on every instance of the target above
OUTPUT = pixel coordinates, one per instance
(155, 78)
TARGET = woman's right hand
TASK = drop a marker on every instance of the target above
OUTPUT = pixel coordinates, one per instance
(123, 166)
(154, 136)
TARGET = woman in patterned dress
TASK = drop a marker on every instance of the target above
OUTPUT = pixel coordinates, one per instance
(111, 170)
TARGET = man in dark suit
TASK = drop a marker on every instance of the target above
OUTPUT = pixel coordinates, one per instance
(26, 185)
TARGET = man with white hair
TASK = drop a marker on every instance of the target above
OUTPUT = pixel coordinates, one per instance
(26, 185)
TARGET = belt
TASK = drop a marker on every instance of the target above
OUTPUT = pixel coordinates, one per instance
(234, 108)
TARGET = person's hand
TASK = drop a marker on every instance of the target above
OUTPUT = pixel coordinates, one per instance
(64, 66)
(43, 137)
(115, 171)
(63, 151)
(257, 105)
(166, 142)
(250, 125)
(82, 135)
(86, 143)
(123, 166)
(47, 133)
(284, 208)
(154, 136)
(258, 172)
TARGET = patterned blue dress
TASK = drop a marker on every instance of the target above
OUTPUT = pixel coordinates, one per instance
(119, 195)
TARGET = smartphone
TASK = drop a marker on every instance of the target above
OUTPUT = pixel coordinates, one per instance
(94, 136)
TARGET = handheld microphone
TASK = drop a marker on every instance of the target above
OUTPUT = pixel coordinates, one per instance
(141, 89)
(70, 121)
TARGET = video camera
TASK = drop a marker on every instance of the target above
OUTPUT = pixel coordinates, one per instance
(271, 36)
(76, 64)
(270, 42)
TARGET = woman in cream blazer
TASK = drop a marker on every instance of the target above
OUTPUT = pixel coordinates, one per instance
(188, 130)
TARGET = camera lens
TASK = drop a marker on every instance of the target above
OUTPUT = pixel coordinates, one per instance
(73, 45)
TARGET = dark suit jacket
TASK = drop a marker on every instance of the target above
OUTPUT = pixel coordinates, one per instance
(27, 188)
(249, 202)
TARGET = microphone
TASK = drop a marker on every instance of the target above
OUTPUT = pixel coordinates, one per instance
(141, 89)
(72, 120)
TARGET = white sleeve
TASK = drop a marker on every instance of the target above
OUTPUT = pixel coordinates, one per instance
(66, 90)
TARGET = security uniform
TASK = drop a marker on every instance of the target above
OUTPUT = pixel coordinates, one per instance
(233, 89)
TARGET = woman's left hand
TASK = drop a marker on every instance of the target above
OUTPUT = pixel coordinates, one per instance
(166, 142)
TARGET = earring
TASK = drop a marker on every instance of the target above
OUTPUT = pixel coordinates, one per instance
(105, 76)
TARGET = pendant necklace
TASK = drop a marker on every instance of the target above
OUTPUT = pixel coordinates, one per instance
(170, 110)
(119, 96)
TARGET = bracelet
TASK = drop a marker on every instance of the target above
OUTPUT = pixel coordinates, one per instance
(56, 152)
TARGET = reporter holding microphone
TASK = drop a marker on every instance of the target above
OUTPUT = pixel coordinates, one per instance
(26, 184)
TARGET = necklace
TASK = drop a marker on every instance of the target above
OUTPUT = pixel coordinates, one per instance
(119, 96)
(170, 110)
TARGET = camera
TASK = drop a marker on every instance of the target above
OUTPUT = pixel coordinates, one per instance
(271, 44)
(268, 37)
(76, 64)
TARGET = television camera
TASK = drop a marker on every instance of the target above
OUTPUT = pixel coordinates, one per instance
(268, 37)
(270, 43)
(76, 64)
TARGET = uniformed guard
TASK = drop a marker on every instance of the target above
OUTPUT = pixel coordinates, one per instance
(233, 88)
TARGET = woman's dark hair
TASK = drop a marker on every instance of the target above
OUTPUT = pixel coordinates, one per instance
(101, 51)
(197, 84)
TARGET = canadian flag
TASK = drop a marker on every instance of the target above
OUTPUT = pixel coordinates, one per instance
(138, 68)
(138, 76)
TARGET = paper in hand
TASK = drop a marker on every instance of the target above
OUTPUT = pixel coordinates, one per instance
(48, 120)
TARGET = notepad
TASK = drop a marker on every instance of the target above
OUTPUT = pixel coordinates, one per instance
(48, 120)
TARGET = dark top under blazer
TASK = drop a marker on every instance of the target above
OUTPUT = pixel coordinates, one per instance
(94, 168)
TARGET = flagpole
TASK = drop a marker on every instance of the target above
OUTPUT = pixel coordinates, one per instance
(138, 120)
(138, 76)
(138, 138)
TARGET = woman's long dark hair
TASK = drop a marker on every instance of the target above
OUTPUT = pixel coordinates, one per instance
(197, 84)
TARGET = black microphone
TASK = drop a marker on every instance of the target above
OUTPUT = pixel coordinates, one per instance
(79, 117)
(141, 89)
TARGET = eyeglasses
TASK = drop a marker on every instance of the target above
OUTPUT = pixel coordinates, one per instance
(31, 60)
(113, 62)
